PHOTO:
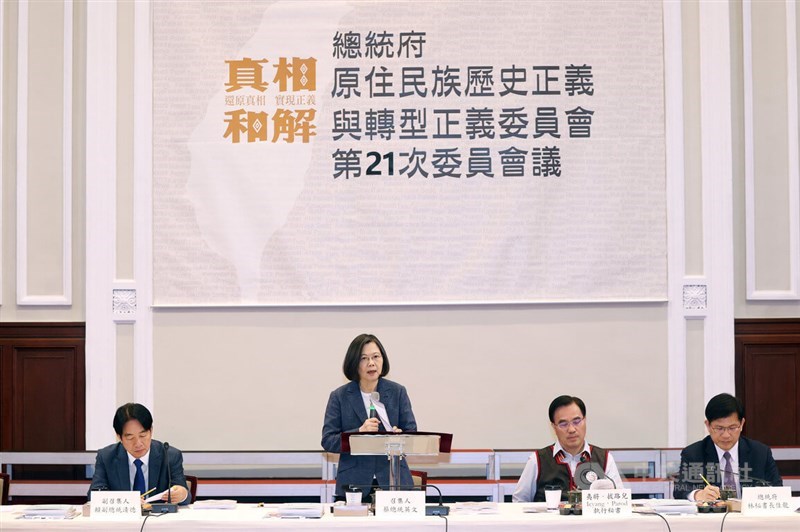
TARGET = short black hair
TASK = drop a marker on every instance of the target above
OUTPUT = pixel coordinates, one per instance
(723, 405)
(130, 411)
(565, 400)
(353, 356)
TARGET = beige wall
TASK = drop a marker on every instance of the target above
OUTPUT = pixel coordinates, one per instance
(42, 230)
(484, 373)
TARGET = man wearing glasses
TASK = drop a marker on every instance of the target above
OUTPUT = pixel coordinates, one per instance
(724, 459)
(555, 465)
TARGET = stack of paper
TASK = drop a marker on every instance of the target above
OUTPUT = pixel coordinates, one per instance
(215, 504)
(475, 508)
(49, 511)
(664, 506)
(307, 510)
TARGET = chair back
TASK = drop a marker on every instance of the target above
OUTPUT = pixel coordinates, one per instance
(420, 478)
(5, 480)
(191, 483)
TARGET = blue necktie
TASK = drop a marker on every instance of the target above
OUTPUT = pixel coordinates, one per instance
(138, 478)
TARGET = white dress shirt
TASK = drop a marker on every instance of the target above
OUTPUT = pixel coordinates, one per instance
(145, 467)
(721, 469)
(380, 408)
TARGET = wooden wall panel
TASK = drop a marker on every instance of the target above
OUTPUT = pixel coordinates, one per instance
(768, 381)
(772, 379)
(42, 373)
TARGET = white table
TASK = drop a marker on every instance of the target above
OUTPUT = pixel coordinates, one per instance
(510, 518)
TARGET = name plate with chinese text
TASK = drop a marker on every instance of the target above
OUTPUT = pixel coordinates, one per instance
(400, 504)
(116, 506)
(606, 503)
(763, 501)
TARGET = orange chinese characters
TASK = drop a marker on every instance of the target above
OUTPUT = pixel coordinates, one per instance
(288, 125)
(246, 72)
(241, 121)
(302, 71)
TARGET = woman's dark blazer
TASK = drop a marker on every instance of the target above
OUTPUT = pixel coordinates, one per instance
(346, 413)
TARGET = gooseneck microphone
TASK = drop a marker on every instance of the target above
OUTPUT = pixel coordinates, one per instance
(748, 478)
(166, 507)
(169, 473)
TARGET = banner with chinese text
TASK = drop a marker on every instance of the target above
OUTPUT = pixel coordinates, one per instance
(404, 152)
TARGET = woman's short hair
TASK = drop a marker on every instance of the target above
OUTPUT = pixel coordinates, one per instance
(353, 357)
(131, 411)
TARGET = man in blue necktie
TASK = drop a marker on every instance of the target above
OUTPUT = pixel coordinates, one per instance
(137, 462)
(724, 460)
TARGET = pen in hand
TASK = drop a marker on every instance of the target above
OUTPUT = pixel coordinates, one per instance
(709, 491)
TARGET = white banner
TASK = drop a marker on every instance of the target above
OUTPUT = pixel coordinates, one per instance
(327, 153)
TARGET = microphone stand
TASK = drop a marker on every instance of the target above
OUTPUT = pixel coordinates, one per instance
(166, 507)
(439, 509)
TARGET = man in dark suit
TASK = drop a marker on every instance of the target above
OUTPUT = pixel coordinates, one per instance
(725, 458)
(137, 462)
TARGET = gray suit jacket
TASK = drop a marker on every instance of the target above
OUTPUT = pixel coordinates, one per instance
(346, 413)
(112, 472)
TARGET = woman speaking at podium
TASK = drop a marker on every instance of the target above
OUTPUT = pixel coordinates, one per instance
(368, 403)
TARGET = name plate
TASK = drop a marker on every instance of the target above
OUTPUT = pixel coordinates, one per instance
(400, 505)
(116, 506)
(606, 503)
(767, 501)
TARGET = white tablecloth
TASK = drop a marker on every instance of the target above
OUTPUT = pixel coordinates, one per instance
(510, 518)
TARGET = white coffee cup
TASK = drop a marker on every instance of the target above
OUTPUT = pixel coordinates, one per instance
(353, 498)
(552, 497)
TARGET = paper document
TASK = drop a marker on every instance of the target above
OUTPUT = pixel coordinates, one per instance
(157, 497)
(49, 511)
(664, 506)
(215, 504)
(475, 508)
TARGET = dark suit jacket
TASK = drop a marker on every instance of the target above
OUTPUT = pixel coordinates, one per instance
(112, 472)
(346, 413)
(756, 465)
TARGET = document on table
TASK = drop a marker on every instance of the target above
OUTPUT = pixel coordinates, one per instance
(215, 504)
(157, 497)
(49, 511)
(475, 508)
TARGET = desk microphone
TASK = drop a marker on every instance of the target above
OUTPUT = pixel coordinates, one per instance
(589, 475)
(747, 479)
(167, 507)
(441, 509)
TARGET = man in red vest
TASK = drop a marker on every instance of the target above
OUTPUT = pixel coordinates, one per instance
(556, 464)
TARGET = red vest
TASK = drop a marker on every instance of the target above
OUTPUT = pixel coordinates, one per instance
(552, 471)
